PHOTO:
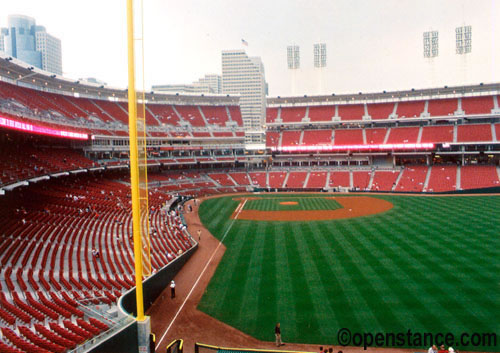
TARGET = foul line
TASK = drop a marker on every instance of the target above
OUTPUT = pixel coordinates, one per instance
(238, 209)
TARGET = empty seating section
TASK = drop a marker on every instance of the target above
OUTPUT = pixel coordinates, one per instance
(271, 115)
(69, 112)
(474, 133)
(413, 179)
(22, 162)
(379, 111)
(115, 110)
(222, 134)
(321, 113)
(410, 109)
(215, 115)
(296, 179)
(67, 241)
(90, 108)
(292, 114)
(348, 137)
(317, 180)
(191, 114)
(317, 137)
(276, 179)
(442, 178)
(240, 178)
(436, 134)
(290, 138)
(222, 179)
(272, 138)
(403, 135)
(258, 179)
(475, 177)
(141, 110)
(235, 113)
(384, 180)
(375, 136)
(477, 105)
(164, 113)
(442, 107)
(351, 112)
(341, 179)
(361, 179)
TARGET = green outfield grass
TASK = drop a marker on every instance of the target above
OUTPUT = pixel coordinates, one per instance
(303, 204)
(430, 264)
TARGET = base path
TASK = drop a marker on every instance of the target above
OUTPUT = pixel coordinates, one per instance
(192, 325)
(352, 206)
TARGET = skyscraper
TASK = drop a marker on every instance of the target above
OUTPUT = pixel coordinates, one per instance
(26, 41)
(245, 76)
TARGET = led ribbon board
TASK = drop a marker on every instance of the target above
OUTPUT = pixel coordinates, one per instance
(375, 147)
(17, 125)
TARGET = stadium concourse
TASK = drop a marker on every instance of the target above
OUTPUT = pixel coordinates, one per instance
(65, 228)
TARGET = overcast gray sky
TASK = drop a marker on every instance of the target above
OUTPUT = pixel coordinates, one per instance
(372, 45)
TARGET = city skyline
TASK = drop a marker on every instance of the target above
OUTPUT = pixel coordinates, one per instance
(372, 46)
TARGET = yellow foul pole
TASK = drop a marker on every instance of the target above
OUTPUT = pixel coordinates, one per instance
(134, 161)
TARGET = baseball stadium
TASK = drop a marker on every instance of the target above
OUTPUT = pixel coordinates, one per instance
(143, 221)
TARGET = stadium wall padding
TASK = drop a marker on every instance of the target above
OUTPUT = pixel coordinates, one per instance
(154, 285)
(124, 341)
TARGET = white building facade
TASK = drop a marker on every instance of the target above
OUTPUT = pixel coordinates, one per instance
(245, 76)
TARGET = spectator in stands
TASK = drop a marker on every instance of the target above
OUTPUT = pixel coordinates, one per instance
(433, 349)
(172, 289)
(320, 349)
(330, 350)
(277, 333)
(442, 349)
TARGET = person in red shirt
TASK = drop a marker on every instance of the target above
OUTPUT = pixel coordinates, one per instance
(442, 349)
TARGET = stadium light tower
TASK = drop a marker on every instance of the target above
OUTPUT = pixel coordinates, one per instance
(463, 36)
(320, 62)
(431, 44)
(463, 40)
(293, 61)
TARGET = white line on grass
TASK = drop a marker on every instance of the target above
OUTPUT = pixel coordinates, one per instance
(238, 211)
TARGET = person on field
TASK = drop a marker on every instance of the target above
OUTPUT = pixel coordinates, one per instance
(172, 289)
(433, 349)
(277, 333)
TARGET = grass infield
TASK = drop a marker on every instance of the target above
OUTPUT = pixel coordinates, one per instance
(430, 264)
(303, 204)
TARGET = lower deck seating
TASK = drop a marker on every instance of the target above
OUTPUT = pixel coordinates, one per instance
(442, 178)
(478, 176)
(412, 179)
(69, 240)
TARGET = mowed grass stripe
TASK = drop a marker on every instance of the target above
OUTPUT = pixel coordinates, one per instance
(302, 298)
(371, 291)
(268, 286)
(429, 264)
